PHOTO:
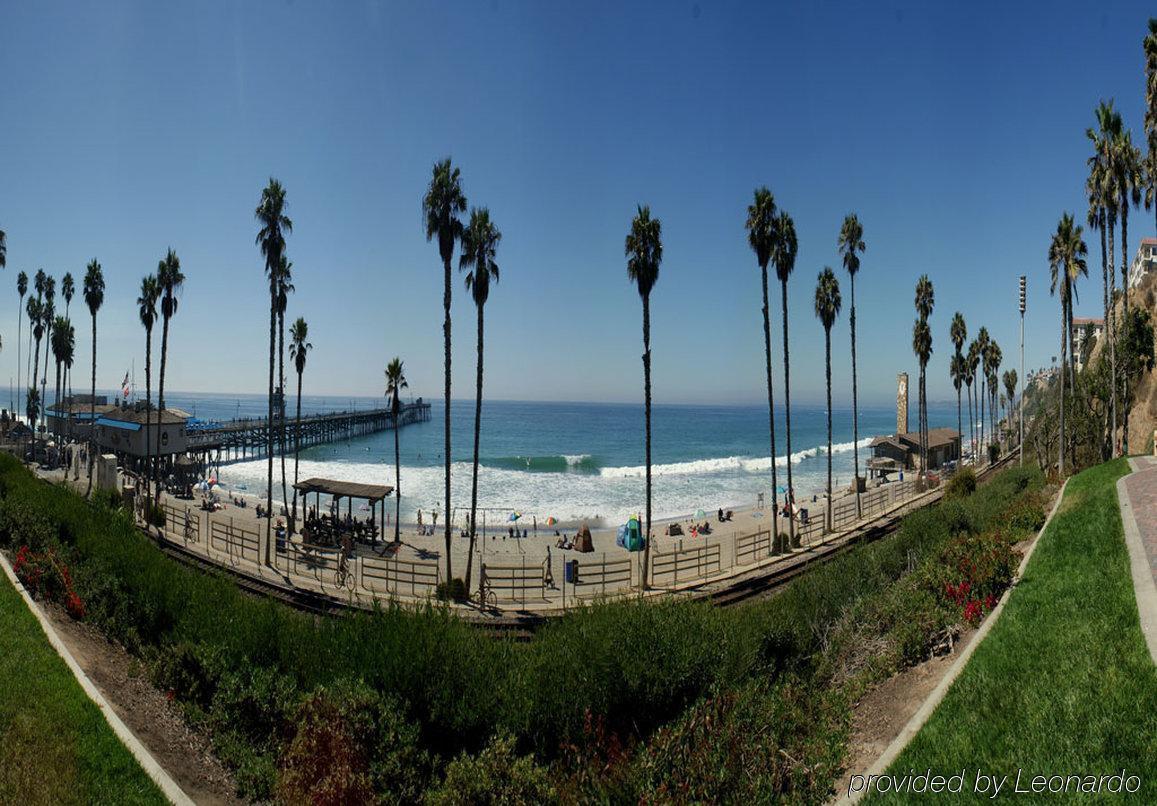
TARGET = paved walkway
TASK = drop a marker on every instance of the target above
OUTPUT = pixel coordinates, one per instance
(1137, 497)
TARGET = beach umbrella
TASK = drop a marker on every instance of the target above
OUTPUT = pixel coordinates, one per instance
(514, 516)
(551, 521)
(700, 514)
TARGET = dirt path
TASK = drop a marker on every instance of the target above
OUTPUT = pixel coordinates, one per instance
(156, 722)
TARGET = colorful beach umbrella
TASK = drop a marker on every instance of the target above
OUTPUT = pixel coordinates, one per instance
(514, 516)
(551, 521)
(700, 514)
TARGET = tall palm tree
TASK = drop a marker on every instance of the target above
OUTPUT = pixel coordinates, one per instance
(38, 285)
(1150, 47)
(644, 252)
(68, 291)
(284, 289)
(48, 311)
(827, 307)
(761, 237)
(1102, 176)
(147, 312)
(21, 289)
(443, 203)
(395, 383)
(270, 213)
(479, 247)
(982, 341)
(784, 250)
(958, 334)
(36, 315)
(299, 347)
(925, 302)
(972, 362)
(851, 244)
(1066, 256)
(94, 299)
(922, 348)
(61, 333)
(992, 365)
(958, 371)
(3, 250)
(1127, 170)
(1010, 380)
(1094, 189)
(170, 281)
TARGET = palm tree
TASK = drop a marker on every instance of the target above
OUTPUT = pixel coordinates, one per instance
(958, 334)
(992, 366)
(441, 206)
(1127, 167)
(1150, 47)
(68, 291)
(3, 250)
(1094, 188)
(925, 302)
(21, 289)
(270, 213)
(299, 348)
(38, 284)
(48, 311)
(644, 252)
(958, 371)
(93, 298)
(982, 341)
(783, 253)
(827, 306)
(479, 246)
(1010, 380)
(922, 348)
(61, 333)
(850, 243)
(972, 363)
(1102, 177)
(1066, 255)
(170, 280)
(284, 289)
(395, 383)
(147, 312)
(36, 315)
(761, 237)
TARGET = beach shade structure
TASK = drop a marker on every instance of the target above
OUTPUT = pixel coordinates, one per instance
(700, 514)
(551, 521)
(630, 536)
(514, 516)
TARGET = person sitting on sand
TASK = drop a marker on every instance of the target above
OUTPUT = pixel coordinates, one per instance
(721, 515)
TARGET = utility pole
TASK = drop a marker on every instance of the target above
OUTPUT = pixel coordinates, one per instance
(1022, 378)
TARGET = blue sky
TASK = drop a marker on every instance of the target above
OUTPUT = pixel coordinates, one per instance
(955, 131)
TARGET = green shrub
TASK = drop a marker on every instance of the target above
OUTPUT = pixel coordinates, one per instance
(993, 452)
(1026, 514)
(189, 672)
(452, 591)
(497, 775)
(962, 484)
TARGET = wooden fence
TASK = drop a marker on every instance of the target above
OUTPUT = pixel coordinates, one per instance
(752, 548)
(322, 563)
(390, 576)
(686, 564)
(600, 577)
(234, 540)
(182, 523)
(512, 583)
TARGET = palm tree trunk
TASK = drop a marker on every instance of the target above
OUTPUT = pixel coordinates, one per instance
(1061, 450)
(56, 393)
(92, 414)
(269, 421)
(971, 427)
(40, 407)
(1111, 327)
(982, 393)
(19, 330)
(296, 455)
(959, 420)
(1125, 310)
(148, 399)
(828, 375)
(787, 414)
(398, 476)
(1107, 436)
(28, 363)
(770, 412)
(855, 406)
(477, 432)
(446, 360)
(647, 415)
(161, 392)
(281, 407)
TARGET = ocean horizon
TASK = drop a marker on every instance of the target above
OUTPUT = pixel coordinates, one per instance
(572, 461)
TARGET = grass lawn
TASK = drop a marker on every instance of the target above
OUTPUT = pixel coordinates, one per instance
(55, 747)
(1063, 685)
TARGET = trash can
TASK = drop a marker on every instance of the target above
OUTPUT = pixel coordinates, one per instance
(570, 571)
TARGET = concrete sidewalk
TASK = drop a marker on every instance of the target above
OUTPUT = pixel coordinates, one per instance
(1137, 497)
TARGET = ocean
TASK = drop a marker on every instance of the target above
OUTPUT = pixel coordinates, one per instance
(574, 461)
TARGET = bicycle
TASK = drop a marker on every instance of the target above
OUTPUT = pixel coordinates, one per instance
(344, 575)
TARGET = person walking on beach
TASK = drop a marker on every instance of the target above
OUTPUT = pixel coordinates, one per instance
(419, 521)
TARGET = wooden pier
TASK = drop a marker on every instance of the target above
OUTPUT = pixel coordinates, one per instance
(238, 440)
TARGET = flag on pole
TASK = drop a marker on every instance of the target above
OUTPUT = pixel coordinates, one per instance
(125, 386)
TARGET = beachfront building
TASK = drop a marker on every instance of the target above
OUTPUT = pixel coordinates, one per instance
(1084, 328)
(1143, 262)
(897, 452)
(122, 432)
(73, 416)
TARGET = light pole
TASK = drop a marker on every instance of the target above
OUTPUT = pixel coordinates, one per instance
(1021, 417)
